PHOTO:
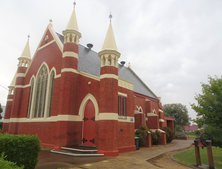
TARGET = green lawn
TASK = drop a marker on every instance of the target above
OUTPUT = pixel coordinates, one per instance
(188, 156)
(191, 136)
(43, 148)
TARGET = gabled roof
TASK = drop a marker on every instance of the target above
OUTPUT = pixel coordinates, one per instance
(190, 127)
(89, 62)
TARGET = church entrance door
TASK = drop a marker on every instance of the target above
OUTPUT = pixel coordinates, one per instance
(89, 124)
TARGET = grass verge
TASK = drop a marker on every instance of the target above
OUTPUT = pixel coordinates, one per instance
(43, 148)
(188, 156)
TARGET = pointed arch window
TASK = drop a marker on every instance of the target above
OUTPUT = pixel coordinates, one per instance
(51, 84)
(30, 98)
(40, 93)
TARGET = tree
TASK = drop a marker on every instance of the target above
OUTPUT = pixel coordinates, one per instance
(1, 111)
(177, 111)
(209, 109)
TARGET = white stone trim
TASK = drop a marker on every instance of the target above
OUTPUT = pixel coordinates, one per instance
(161, 120)
(88, 97)
(161, 131)
(9, 100)
(89, 76)
(109, 76)
(21, 86)
(69, 70)
(125, 84)
(102, 116)
(146, 100)
(70, 54)
(20, 75)
(122, 94)
(151, 114)
(57, 76)
(108, 116)
(126, 119)
(46, 44)
(160, 110)
(137, 112)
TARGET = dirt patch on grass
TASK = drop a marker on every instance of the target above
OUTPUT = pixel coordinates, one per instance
(165, 161)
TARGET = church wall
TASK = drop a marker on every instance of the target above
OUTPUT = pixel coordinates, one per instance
(51, 55)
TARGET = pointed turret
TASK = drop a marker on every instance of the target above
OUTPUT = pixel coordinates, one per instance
(25, 57)
(109, 55)
(72, 34)
(12, 85)
(110, 42)
(72, 25)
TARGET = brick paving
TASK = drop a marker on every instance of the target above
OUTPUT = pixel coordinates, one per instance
(133, 160)
(138, 159)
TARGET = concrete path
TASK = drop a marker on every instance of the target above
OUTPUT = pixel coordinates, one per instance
(138, 159)
(133, 160)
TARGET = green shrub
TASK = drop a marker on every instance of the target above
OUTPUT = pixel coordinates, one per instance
(170, 135)
(4, 164)
(155, 137)
(21, 149)
(197, 133)
(142, 134)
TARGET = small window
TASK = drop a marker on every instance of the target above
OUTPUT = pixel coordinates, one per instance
(121, 106)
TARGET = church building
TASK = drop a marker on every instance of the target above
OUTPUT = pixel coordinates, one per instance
(70, 95)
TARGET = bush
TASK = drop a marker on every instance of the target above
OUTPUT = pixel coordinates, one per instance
(20, 149)
(197, 133)
(142, 134)
(4, 164)
(170, 135)
(155, 137)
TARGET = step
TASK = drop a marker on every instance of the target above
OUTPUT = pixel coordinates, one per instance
(76, 154)
(77, 150)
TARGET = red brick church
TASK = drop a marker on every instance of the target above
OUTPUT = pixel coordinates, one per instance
(70, 95)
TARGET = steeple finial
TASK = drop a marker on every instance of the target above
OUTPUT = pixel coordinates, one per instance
(74, 4)
(110, 16)
(28, 37)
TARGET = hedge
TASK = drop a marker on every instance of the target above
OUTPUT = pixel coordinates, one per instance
(170, 135)
(20, 149)
(4, 164)
(142, 134)
(155, 137)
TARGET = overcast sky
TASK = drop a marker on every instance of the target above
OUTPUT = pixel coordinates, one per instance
(173, 45)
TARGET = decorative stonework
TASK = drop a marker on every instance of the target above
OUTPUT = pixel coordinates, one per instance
(125, 84)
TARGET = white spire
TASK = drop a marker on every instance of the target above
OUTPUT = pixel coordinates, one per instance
(110, 42)
(72, 25)
(26, 52)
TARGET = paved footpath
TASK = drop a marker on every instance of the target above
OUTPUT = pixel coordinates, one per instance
(137, 159)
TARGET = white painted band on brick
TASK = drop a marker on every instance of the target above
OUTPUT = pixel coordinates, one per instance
(122, 94)
(9, 100)
(21, 86)
(102, 116)
(57, 76)
(108, 116)
(109, 76)
(46, 44)
(20, 75)
(161, 131)
(137, 112)
(126, 119)
(161, 120)
(69, 70)
(160, 110)
(151, 114)
(89, 76)
(70, 54)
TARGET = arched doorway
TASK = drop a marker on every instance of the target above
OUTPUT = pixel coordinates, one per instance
(89, 124)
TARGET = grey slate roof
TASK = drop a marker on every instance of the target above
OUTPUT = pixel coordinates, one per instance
(89, 62)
